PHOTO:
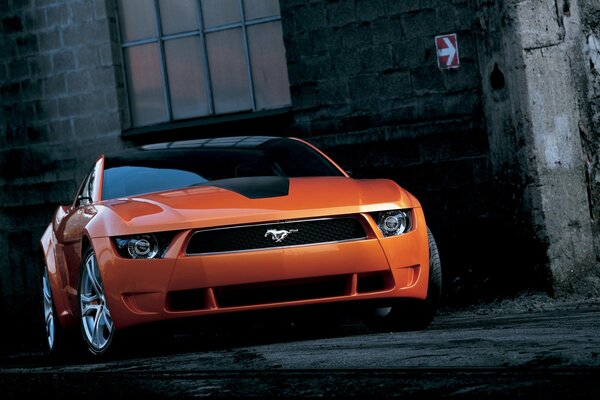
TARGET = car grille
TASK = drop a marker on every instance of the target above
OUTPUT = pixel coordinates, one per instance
(254, 237)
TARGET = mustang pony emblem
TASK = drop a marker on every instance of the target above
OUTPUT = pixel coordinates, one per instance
(279, 235)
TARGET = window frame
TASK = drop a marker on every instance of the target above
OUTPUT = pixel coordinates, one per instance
(85, 193)
(201, 33)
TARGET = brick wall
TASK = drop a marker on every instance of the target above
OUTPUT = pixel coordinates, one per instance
(58, 106)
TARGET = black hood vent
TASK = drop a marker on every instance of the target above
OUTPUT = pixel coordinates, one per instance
(257, 187)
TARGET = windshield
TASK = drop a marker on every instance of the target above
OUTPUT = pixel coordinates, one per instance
(176, 165)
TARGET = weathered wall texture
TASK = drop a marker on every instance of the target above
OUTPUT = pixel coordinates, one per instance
(536, 107)
(550, 35)
(58, 107)
(590, 101)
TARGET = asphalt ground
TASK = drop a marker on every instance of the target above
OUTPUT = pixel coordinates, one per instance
(530, 348)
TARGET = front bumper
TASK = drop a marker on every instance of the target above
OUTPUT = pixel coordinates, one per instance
(376, 268)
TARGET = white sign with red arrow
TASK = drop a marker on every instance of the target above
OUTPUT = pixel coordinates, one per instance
(447, 51)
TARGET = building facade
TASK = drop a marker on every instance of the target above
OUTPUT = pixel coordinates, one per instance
(502, 151)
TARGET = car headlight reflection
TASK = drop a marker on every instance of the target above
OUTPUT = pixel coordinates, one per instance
(393, 222)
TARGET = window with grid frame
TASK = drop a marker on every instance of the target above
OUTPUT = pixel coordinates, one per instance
(196, 58)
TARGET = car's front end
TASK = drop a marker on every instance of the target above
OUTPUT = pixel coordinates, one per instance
(230, 225)
(263, 253)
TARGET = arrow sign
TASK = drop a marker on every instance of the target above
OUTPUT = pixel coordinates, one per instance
(447, 51)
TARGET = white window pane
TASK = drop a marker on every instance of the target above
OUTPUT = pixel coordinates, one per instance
(260, 8)
(178, 16)
(137, 19)
(228, 71)
(146, 87)
(186, 78)
(219, 12)
(269, 67)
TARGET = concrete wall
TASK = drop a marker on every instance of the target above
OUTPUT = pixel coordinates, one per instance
(590, 101)
(551, 117)
(535, 121)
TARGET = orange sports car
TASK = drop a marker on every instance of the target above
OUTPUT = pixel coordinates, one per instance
(228, 225)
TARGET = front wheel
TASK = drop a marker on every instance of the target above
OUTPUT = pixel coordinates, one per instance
(96, 323)
(413, 314)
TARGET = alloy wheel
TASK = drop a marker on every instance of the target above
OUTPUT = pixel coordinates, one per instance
(48, 311)
(96, 321)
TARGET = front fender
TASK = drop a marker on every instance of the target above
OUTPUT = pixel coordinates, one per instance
(48, 244)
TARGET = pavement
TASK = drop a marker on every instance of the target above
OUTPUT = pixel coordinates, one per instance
(532, 347)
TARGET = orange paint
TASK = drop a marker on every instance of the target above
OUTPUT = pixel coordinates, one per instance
(140, 290)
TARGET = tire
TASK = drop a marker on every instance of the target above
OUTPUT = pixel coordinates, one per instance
(434, 288)
(413, 314)
(56, 336)
(95, 321)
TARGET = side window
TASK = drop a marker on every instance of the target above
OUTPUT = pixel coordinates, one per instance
(84, 196)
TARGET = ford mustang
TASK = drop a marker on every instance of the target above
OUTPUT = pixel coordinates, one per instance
(229, 225)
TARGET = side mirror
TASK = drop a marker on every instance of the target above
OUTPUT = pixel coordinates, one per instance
(81, 199)
(349, 172)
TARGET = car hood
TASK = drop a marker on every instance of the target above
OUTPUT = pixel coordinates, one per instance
(221, 204)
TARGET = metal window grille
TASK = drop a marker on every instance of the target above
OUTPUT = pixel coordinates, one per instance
(153, 97)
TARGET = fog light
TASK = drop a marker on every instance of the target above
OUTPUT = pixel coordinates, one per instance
(394, 222)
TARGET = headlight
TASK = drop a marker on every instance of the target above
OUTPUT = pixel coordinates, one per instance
(146, 246)
(394, 222)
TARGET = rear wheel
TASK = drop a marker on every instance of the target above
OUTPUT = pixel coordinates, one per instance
(96, 323)
(54, 331)
(413, 314)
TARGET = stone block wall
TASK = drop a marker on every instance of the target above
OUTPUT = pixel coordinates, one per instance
(58, 107)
